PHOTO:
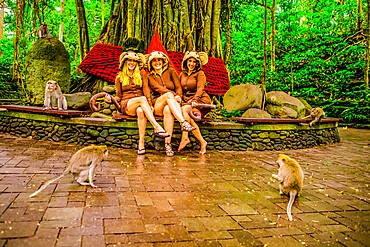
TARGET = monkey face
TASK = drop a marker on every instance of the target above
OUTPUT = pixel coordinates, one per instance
(280, 161)
(314, 112)
(51, 86)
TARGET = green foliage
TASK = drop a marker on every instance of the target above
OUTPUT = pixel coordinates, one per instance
(8, 88)
(232, 113)
(50, 13)
(319, 53)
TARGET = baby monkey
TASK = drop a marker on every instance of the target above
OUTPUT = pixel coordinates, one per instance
(291, 179)
(82, 164)
(316, 115)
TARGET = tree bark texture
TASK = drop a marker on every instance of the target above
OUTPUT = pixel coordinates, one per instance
(83, 33)
(2, 13)
(359, 12)
(61, 21)
(228, 43)
(182, 24)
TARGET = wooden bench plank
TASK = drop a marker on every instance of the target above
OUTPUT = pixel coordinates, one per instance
(282, 120)
(41, 110)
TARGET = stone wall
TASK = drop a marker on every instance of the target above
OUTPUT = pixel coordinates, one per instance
(220, 136)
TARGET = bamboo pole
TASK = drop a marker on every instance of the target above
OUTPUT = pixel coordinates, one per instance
(366, 77)
(264, 60)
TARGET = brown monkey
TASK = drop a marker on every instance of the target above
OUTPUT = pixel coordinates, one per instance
(82, 165)
(316, 115)
(43, 31)
(53, 92)
(291, 179)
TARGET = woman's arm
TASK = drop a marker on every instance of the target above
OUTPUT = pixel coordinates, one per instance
(146, 90)
(118, 89)
(176, 80)
(201, 82)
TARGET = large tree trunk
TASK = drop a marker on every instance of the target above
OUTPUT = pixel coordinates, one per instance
(83, 33)
(182, 25)
(228, 43)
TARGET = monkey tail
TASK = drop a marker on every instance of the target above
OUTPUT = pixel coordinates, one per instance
(47, 183)
(96, 106)
(197, 115)
(292, 195)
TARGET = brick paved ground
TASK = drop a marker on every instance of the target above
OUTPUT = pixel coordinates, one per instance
(218, 199)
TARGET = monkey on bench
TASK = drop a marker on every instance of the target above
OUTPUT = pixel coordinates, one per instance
(82, 165)
(54, 93)
(316, 115)
(291, 179)
(43, 31)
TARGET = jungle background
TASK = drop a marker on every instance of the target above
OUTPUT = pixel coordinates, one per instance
(315, 49)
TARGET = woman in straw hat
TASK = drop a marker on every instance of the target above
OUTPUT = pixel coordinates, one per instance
(133, 93)
(167, 93)
(193, 80)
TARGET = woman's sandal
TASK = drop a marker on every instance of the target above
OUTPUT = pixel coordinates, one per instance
(161, 134)
(186, 126)
(141, 151)
(168, 148)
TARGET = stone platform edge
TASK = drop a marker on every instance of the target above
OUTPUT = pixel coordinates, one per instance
(124, 134)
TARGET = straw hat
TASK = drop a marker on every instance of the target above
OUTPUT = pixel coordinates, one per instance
(140, 58)
(201, 57)
(156, 54)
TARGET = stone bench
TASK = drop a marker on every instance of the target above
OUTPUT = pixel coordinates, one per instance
(241, 136)
(35, 109)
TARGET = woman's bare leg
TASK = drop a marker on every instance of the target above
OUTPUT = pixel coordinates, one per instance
(143, 103)
(168, 121)
(185, 137)
(141, 122)
(174, 106)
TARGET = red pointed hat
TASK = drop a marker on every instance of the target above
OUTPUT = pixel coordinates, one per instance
(156, 45)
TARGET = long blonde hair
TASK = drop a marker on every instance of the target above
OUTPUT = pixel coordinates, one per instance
(124, 76)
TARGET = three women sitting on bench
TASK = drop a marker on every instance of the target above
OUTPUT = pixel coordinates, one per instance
(132, 90)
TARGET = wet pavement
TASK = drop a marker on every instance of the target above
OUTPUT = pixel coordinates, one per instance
(217, 199)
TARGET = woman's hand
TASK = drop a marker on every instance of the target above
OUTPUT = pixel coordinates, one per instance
(194, 103)
(107, 98)
(178, 99)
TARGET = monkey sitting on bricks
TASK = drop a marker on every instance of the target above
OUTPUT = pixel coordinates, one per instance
(316, 115)
(52, 93)
(82, 165)
(291, 179)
